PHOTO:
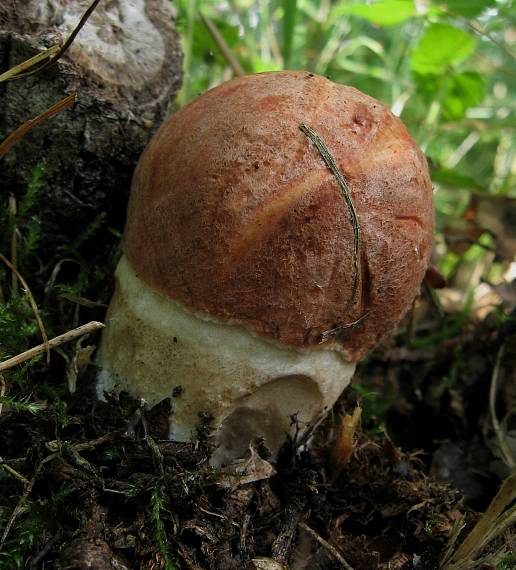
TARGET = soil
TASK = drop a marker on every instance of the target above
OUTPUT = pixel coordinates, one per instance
(104, 488)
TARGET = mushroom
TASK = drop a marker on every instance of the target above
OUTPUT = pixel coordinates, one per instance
(278, 227)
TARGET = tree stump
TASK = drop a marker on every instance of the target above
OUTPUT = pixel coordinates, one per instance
(124, 65)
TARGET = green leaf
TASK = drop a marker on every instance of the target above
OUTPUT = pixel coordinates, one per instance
(468, 8)
(464, 90)
(442, 45)
(383, 12)
(453, 179)
(457, 92)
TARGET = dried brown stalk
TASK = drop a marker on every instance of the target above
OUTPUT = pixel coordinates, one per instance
(52, 343)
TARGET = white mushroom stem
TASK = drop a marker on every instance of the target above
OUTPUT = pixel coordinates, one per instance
(250, 386)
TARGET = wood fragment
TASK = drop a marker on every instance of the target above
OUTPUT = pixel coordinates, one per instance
(52, 343)
(282, 546)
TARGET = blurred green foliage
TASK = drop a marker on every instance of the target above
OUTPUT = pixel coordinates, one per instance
(447, 67)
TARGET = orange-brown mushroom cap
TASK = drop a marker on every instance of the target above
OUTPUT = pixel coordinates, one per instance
(233, 211)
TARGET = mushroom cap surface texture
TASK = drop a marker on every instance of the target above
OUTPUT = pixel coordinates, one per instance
(233, 211)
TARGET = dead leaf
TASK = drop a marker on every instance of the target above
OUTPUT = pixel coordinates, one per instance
(244, 471)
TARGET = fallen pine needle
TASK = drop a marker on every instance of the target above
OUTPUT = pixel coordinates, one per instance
(57, 51)
(22, 130)
(24, 65)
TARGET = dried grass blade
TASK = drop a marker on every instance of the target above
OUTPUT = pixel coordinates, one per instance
(487, 527)
(27, 64)
(232, 61)
(21, 131)
(500, 435)
(64, 48)
(32, 304)
(14, 243)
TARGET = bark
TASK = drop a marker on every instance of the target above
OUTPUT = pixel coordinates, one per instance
(125, 66)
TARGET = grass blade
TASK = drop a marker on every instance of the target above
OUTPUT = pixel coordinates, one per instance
(232, 61)
(289, 22)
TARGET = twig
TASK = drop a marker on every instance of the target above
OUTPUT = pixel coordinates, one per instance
(21, 131)
(34, 306)
(28, 489)
(326, 545)
(106, 438)
(282, 545)
(23, 499)
(62, 50)
(481, 32)
(232, 61)
(52, 343)
(13, 472)
(332, 165)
